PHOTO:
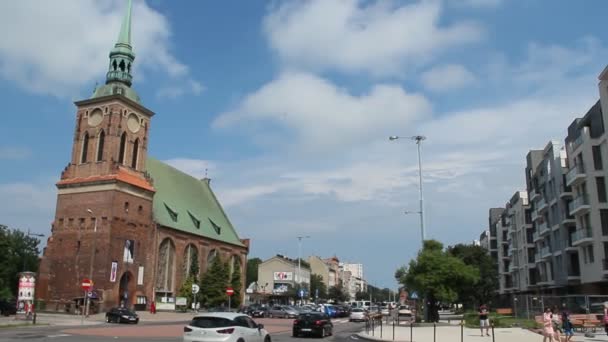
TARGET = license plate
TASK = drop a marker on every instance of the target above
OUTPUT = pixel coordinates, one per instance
(306, 329)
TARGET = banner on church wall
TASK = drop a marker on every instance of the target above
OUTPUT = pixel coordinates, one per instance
(128, 251)
(140, 275)
(113, 271)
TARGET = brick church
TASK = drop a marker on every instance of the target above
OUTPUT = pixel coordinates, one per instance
(130, 223)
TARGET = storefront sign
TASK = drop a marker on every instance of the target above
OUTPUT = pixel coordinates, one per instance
(283, 275)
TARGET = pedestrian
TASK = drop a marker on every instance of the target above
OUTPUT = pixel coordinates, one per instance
(566, 323)
(548, 325)
(483, 319)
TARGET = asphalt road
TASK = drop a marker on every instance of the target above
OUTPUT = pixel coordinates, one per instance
(343, 330)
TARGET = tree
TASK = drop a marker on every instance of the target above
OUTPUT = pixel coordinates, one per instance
(252, 270)
(236, 285)
(337, 293)
(214, 283)
(438, 275)
(317, 286)
(186, 290)
(19, 253)
(484, 290)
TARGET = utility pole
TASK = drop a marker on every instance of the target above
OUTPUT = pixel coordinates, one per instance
(88, 299)
(300, 264)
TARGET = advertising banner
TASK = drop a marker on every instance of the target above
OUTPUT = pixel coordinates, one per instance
(27, 283)
(283, 276)
(113, 271)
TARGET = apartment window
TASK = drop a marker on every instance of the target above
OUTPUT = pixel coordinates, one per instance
(590, 254)
(528, 216)
(601, 189)
(604, 221)
(597, 157)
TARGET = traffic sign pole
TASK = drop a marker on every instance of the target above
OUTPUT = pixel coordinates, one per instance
(229, 292)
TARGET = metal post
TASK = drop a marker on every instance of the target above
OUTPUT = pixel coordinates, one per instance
(493, 340)
(434, 331)
(91, 264)
(380, 327)
(393, 328)
(229, 306)
(411, 330)
(461, 331)
(419, 139)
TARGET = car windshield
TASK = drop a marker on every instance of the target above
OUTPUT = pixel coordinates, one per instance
(210, 322)
(311, 316)
(357, 310)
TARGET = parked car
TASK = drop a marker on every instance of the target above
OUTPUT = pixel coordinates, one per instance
(385, 311)
(357, 315)
(225, 327)
(8, 308)
(283, 311)
(261, 311)
(404, 312)
(342, 311)
(330, 310)
(121, 315)
(312, 323)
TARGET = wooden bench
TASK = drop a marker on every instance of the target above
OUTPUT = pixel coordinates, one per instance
(505, 311)
(585, 322)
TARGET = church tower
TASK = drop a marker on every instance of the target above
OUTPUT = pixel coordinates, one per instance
(103, 227)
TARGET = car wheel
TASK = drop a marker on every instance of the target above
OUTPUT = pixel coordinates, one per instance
(267, 339)
(294, 334)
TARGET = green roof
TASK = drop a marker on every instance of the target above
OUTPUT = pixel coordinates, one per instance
(187, 204)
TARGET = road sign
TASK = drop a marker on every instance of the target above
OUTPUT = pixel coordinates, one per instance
(86, 284)
(414, 295)
(302, 293)
(229, 291)
(195, 288)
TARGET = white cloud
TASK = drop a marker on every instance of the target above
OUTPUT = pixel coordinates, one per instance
(28, 205)
(447, 77)
(14, 152)
(178, 90)
(477, 3)
(352, 36)
(57, 47)
(324, 116)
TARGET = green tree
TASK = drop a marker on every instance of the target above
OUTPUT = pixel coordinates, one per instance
(484, 290)
(214, 282)
(186, 290)
(252, 270)
(438, 275)
(236, 285)
(337, 293)
(19, 252)
(317, 286)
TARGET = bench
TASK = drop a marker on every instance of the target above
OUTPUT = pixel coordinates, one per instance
(585, 322)
(505, 311)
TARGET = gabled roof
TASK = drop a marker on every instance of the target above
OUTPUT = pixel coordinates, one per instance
(187, 204)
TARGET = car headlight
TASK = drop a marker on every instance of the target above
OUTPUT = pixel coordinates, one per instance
(124, 316)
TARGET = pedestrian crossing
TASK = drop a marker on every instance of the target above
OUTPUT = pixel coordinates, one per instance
(334, 321)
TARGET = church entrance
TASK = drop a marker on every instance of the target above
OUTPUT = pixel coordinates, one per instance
(125, 293)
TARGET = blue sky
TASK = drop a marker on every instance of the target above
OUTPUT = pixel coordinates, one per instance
(289, 106)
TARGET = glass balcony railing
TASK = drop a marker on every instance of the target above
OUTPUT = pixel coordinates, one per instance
(545, 252)
(578, 203)
(576, 171)
(581, 234)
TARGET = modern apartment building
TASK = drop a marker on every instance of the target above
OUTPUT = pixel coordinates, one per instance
(519, 225)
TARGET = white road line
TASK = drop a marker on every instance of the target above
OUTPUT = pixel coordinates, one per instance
(58, 335)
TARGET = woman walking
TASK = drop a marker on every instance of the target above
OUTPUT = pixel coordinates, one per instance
(606, 317)
(483, 319)
(548, 325)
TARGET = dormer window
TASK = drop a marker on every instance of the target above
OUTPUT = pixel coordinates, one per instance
(172, 213)
(217, 228)
(195, 221)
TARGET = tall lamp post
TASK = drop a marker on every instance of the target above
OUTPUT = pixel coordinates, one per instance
(88, 300)
(300, 265)
(418, 139)
(29, 234)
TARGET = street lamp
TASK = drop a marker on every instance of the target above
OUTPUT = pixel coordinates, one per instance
(88, 300)
(29, 234)
(418, 139)
(300, 264)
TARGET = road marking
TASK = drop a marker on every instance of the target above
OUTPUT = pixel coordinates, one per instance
(58, 335)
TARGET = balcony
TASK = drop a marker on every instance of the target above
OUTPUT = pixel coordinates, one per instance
(569, 247)
(541, 205)
(605, 264)
(579, 204)
(545, 252)
(537, 257)
(534, 215)
(536, 237)
(543, 228)
(582, 237)
(533, 194)
(566, 192)
(568, 220)
(574, 275)
(575, 175)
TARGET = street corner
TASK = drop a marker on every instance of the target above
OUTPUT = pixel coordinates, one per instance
(144, 331)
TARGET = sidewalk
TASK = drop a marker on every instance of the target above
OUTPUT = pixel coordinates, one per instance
(452, 333)
(60, 319)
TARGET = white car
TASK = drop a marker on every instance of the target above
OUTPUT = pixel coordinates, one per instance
(404, 312)
(224, 327)
(357, 315)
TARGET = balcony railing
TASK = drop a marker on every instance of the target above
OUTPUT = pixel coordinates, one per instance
(541, 204)
(534, 215)
(605, 262)
(545, 252)
(535, 236)
(582, 235)
(543, 228)
(537, 257)
(579, 203)
(577, 172)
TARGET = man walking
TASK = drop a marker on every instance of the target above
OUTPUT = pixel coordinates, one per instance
(566, 323)
(484, 320)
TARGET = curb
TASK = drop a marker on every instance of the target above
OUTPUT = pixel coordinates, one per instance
(366, 337)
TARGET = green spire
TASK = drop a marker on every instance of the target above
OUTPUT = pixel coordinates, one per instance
(125, 29)
(119, 77)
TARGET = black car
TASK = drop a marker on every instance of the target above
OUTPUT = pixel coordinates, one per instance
(121, 315)
(261, 311)
(8, 308)
(313, 323)
(342, 311)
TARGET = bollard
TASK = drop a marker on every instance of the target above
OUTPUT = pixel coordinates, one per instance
(393, 328)
(461, 331)
(493, 340)
(373, 328)
(434, 332)
(411, 330)
(34, 319)
(380, 327)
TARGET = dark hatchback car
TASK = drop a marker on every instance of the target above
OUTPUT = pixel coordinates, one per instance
(314, 324)
(261, 311)
(8, 308)
(342, 311)
(121, 315)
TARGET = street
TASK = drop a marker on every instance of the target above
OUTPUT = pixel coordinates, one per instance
(280, 330)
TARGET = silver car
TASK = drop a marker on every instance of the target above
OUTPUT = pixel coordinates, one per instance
(282, 311)
(357, 315)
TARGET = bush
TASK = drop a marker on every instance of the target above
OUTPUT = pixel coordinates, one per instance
(499, 321)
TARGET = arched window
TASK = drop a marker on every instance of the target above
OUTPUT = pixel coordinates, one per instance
(165, 267)
(121, 150)
(100, 141)
(135, 153)
(85, 147)
(190, 267)
(210, 257)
